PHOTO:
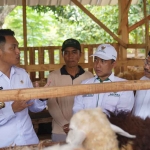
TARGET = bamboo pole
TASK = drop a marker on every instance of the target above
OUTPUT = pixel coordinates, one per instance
(99, 22)
(146, 28)
(45, 92)
(24, 30)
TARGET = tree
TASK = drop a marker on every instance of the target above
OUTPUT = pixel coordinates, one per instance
(4, 11)
(62, 22)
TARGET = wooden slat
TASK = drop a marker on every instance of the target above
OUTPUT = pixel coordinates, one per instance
(24, 30)
(45, 92)
(136, 46)
(51, 56)
(90, 59)
(41, 61)
(32, 62)
(49, 67)
(135, 62)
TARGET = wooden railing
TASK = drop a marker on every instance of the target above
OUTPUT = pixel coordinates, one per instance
(42, 60)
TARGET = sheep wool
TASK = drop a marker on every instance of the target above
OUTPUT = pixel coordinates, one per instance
(96, 127)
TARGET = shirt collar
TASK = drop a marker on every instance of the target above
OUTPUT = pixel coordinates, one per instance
(110, 78)
(63, 71)
(12, 71)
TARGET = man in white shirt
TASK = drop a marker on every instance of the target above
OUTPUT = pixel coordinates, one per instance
(15, 124)
(142, 97)
(104, 61)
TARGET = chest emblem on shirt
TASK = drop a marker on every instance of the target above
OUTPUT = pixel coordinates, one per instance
(88, 95)
(114, 94)
(22, 81)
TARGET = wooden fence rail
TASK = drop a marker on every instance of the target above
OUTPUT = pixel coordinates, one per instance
(42, 60)
(49, 92)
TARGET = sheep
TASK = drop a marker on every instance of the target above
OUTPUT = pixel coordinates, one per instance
(91, 129)
(132, 73)
(134, 125)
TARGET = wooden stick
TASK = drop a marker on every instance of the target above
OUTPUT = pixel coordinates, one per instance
(49, 92)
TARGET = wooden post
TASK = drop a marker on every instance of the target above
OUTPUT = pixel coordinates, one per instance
(123, 27)
(146, 29)
(24, 30)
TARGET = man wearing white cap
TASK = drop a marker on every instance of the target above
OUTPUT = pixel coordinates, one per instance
(142, 97)
(104, 61)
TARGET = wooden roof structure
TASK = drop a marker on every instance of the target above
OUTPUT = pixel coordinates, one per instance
(61, 2)
(123, 29)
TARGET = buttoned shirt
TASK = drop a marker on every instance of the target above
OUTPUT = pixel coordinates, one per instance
(142, 102)
(112, 101)
(16, 128)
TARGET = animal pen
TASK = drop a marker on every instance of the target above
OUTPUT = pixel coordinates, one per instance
(39, 71)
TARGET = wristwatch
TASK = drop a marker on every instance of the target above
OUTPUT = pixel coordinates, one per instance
(2, 105)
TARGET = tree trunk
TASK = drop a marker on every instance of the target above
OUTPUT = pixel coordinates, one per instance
(4, 11)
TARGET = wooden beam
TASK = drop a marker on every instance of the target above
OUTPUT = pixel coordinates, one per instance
(50, 67)
(124, 15)
(24, 30)
(124, 29)
(139, 23)
(62, 91)
(146, 28)
(98, 22)
(129, 62)
(136, 46)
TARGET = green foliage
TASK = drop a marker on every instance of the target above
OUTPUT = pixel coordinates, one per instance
(52, 25)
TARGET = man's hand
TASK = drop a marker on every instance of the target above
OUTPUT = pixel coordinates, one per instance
(18, 106)
(66, 128)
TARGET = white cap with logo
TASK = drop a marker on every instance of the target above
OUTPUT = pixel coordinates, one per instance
(106, 52)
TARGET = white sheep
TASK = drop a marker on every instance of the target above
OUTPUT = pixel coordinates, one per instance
(91, 130)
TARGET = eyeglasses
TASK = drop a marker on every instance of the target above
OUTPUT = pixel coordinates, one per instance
(146, 62)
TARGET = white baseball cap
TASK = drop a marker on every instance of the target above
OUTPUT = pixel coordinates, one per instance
(106, 52)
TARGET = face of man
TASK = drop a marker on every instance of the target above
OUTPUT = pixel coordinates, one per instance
(9, 52)
(147, 67)
(71, 56)
(103, 68)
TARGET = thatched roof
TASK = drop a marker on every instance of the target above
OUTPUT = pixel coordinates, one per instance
(61, 2)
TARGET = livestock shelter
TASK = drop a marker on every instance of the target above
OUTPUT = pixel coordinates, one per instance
(37, 71)
(121, 46)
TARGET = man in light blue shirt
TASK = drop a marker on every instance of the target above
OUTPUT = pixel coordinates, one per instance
(104, 61)
(15, 124)
(142, 97)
